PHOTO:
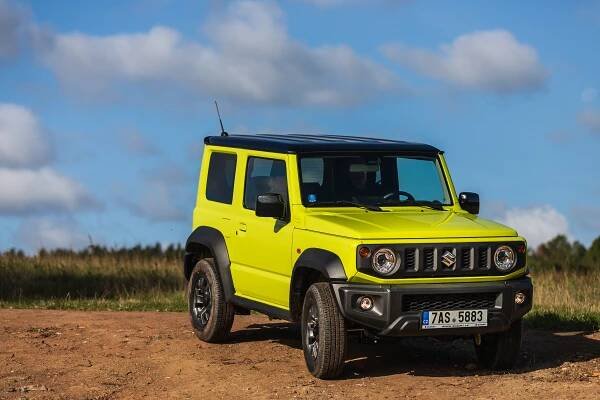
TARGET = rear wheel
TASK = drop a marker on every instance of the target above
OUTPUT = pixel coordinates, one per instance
(500, 351)
(210, 314)
(323, 332)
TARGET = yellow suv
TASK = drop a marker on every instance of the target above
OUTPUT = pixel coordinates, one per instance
(345, 233)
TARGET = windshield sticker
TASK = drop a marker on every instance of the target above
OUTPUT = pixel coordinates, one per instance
(312, 198)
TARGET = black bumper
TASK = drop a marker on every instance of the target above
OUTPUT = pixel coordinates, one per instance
(397, 313)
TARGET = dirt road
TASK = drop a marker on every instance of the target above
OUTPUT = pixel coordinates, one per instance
(105, 355)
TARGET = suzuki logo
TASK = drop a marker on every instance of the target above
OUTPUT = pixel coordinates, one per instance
(448, 258)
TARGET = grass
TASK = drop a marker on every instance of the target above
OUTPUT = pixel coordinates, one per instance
(131, 281)
(566, 300)
(162, 301)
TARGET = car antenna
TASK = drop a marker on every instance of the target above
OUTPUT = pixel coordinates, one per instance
(223, 133)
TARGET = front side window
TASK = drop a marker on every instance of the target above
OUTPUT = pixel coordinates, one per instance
(221, 177)
(373, 179)
(264, 175)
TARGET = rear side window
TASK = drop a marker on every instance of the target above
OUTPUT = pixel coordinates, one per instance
(221, 177)
(264, 175)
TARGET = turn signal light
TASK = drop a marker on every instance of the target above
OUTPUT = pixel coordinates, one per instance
(364, 252)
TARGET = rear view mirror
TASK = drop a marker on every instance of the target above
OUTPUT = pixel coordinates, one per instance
(469, 202)
(364, 167)
(270, 205)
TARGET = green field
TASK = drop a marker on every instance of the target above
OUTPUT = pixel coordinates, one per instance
(150, 279)
(137, 279)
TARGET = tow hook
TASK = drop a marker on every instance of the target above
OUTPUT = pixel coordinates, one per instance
(477, 339)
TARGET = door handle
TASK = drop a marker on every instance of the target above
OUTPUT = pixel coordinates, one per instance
(242, 227)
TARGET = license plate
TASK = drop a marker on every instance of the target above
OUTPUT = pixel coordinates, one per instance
(453, 319)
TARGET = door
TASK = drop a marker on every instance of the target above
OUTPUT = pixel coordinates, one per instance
(261, 268)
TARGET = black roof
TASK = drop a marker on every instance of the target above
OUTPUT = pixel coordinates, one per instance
(296, 143)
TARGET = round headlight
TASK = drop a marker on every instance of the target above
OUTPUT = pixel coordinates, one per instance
(385, 262)
(504, 258)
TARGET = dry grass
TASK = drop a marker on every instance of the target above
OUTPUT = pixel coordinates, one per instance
(78, 276)
(566, 299)
(139, 281)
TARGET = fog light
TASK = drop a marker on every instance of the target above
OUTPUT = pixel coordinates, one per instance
(520, 298)
(365, 303)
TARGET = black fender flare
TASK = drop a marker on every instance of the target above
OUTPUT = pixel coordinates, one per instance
(213, 240)
(324, 261)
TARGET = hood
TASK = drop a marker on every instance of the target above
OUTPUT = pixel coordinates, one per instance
(404, 224)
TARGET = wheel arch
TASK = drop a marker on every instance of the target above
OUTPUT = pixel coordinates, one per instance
(313, 265)
(206, 241)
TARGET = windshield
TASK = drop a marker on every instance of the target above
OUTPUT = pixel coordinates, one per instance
(372, 180)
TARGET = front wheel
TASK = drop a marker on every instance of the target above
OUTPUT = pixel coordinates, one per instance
(500, 351)
(210, 314)
(323, 332)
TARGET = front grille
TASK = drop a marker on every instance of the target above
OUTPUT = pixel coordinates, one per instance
(463, 301)
(431, 260)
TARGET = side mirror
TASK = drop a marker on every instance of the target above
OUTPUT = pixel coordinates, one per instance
(469, 202)
(270, 205)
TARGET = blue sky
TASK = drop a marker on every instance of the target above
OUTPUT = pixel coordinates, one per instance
(103, 105)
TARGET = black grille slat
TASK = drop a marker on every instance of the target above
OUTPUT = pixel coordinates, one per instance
(428, 259)
(483, 258)
(410, 259)
(463, 301)
(465, 258)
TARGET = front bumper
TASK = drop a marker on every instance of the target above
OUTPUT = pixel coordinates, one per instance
(393, 314)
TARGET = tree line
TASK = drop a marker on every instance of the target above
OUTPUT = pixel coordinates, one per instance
(557, 254)
(169, 252)
(562, 255)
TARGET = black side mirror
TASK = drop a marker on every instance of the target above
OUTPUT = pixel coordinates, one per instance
(469, 202)
(270, 205)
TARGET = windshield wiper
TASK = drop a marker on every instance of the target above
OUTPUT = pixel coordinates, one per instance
(419, 203)
(428, 204)
(370, 207)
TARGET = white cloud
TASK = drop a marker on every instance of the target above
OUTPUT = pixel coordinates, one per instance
(249, 57)
(37, 233)
(491, 60)
(12, 25)
(22, 143)
(537, 224)
(590, 119)
(40, 191)
(28, 184)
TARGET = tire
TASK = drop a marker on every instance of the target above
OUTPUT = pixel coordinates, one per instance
(323, 333)
(210, 315)
(500, 351)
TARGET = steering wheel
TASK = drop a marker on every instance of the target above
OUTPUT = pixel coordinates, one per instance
(409, 197)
